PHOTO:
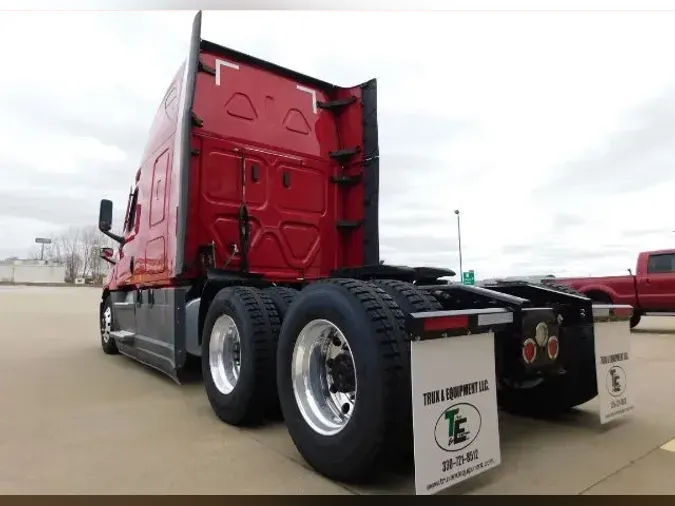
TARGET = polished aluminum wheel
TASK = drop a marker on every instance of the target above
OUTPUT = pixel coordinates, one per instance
(225, 354)
(324, 377)
(106, 324)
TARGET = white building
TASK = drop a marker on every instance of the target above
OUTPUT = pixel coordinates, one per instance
(31, 271)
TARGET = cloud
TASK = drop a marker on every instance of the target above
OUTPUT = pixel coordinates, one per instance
(564, 220)
(638, 153)
(555, 149)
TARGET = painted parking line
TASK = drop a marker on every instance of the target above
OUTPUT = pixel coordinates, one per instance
(669, 446)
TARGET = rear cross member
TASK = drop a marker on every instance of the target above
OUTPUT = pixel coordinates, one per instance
(440, 324)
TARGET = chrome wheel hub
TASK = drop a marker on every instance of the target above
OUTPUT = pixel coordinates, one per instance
(225, 354)
(106, 324)
(324, 377)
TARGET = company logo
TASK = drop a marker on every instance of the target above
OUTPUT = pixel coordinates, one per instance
(616, 381)
(458, 427)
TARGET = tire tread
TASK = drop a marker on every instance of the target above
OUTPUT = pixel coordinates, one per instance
(387, 326)
(265, 323)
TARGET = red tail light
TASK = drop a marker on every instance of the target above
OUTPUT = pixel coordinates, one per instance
(553, 347)
(529, 351)
(446, 323)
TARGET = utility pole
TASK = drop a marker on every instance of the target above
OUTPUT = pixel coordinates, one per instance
(459, 240)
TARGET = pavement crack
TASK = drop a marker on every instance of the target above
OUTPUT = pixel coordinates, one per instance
(630, 463)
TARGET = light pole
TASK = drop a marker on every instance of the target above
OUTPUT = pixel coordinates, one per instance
(459, 240)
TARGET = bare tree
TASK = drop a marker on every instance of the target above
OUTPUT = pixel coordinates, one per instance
(79, 250)
(97, 266)
(90, 239)
(68, 245)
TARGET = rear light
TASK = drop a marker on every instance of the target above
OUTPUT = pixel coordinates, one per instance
(446, 323)
(529, 351)
(427, 325)
(553, 347)
(541, 333)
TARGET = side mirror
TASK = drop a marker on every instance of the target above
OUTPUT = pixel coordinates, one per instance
(630, 272)
(107, 255)
(105, 215)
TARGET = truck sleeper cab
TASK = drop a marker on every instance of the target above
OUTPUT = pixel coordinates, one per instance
(250, 247)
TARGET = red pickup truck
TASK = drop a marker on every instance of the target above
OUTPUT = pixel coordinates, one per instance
(651, 290)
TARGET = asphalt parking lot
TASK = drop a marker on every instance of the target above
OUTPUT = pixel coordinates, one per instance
(75, 421)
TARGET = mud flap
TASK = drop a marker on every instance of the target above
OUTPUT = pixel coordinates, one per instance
(454, 395)
(613, 370)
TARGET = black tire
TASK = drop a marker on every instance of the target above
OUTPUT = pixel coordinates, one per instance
(599, 298)
(258, 324)
(635, 319)
(282, 297)
(554, 395)
(380, 424)
(107, 342)
(408, 297)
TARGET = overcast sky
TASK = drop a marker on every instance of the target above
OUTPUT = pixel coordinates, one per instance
(553, 133)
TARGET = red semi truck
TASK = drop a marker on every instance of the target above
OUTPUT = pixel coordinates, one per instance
(250, 249)
(650, 291)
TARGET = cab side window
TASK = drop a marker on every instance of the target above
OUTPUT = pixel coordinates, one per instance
(130, 221)
(659, 264)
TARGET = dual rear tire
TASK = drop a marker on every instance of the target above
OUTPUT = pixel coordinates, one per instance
(364, 426)
(339, 368)
(239, 354)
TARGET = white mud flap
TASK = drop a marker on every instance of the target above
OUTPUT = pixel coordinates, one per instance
(454, 395)
(613, 369)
